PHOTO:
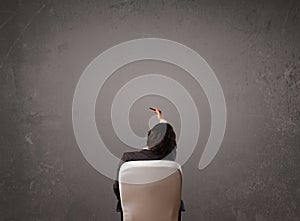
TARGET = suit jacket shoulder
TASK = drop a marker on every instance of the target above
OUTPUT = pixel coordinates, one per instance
(140, 155)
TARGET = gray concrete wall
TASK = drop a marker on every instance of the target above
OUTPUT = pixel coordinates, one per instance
(253, 47)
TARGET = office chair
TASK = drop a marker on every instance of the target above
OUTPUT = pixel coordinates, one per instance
(150, 190)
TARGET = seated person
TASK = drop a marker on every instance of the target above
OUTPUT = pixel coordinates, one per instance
(161, 145)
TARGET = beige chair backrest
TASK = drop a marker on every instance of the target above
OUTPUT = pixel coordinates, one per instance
(150, 190)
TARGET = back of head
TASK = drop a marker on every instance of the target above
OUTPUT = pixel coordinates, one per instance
(161, 138)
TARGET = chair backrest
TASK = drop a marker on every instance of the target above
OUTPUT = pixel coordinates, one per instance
(150, 190)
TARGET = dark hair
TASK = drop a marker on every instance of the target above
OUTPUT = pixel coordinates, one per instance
(161, 139)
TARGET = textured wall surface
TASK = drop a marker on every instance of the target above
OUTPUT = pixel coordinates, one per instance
(254, 49)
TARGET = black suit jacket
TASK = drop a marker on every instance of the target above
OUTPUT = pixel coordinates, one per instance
(141, 155)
